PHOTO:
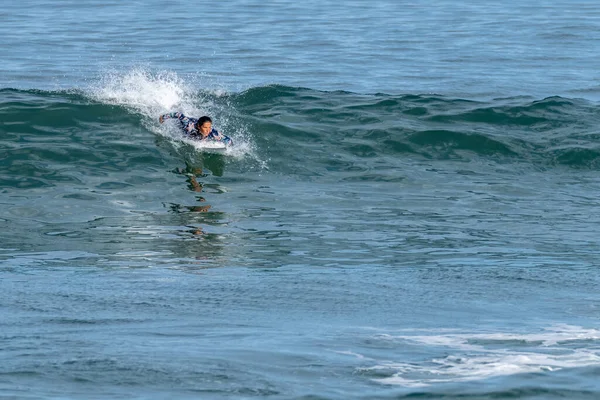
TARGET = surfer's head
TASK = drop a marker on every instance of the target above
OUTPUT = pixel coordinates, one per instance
(204, 125)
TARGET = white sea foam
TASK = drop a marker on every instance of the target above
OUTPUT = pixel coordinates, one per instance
(142, 91)
(475, 356)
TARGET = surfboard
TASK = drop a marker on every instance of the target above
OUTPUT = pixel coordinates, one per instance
(209, 146)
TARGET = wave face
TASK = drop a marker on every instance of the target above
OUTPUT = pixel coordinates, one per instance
(339, 128)
(290, 131)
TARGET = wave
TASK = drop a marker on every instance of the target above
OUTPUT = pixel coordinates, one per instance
(546, 132)
(295, 130)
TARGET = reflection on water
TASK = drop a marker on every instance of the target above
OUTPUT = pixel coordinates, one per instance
(199, 215)
(192, 173)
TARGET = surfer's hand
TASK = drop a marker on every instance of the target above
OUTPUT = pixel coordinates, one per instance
(161, 119)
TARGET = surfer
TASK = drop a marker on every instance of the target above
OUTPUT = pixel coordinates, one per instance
(197, 129)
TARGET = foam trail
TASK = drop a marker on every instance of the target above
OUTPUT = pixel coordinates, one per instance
(477, 356)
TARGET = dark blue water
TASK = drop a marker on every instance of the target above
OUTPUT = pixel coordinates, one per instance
(409, 210)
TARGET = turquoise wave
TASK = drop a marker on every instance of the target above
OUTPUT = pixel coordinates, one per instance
(298, 131)
(546, 132)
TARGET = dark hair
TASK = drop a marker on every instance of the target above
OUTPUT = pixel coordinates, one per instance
(202, 120)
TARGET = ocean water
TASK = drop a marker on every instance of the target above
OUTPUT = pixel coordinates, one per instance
(410, 209)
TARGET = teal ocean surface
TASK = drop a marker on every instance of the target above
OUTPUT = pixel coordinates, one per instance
(409, 210)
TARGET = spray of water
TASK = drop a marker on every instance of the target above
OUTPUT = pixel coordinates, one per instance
(152, 94)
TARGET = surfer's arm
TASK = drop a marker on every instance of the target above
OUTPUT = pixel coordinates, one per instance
(177, 115)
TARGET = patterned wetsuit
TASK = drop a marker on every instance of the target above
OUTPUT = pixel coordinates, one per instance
(188, 126)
